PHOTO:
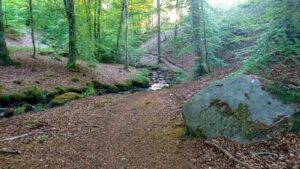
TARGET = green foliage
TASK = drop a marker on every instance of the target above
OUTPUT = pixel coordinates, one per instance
(284, 94)
(296, 124)
(140, 79)
(19, 110)
(34, 94)
(248, 129)
(40, 107)
(42, 139)
(90, 91)
(198, 133)
(274, 25)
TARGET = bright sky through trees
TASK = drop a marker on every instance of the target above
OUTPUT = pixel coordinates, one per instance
(225, 4)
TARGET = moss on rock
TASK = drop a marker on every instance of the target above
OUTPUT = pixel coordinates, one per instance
(296, 123)
(62, 99)
(248, 129)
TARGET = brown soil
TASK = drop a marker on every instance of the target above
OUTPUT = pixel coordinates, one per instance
(47, 73)
(141, 130)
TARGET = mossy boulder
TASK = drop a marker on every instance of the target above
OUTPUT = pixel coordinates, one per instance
(237, 108)
(62, 99)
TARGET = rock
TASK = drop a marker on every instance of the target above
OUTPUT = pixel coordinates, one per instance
(158, 86)
(28, 107)
(61, 99)
(148, 60)
(6, 112)
(237, 108)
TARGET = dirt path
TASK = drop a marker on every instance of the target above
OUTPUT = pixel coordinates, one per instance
(141, 130)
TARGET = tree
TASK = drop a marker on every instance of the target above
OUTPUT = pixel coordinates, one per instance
(4, 55)
(69, 4)
(201, 62)
(158, 32)
(176, 22)
(205, 46)
(126, 34)
(119, 30)
(31, 26)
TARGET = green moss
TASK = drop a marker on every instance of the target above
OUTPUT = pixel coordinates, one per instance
(11, 97)
(124, 86)
(284, 94)
(296, 123)
(248, 129)
(1, 89)
(99, 86)
(222, 106)
(198, 133)
(40, 107)
(75, 80)
(62, 99)
(32, 93)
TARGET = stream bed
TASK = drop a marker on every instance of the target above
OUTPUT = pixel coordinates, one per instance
(33, 101)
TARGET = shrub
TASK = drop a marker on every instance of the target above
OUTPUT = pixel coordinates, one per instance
(19, 110)
(140, 79)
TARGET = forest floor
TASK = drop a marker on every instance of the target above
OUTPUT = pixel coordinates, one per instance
(117, 131)
(48, 73)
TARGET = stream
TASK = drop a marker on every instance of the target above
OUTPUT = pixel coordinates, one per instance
(159, 79)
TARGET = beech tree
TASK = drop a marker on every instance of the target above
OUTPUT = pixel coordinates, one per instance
(31, 27)
(158, 32)
(126, 34)
(201, 61)
(4, 55)
(69, 4)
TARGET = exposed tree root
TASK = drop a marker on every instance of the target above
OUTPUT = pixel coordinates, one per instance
(230, 156)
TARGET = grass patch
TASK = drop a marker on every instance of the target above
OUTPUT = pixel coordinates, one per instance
(140, 79)
(284, 94)
(19, 110)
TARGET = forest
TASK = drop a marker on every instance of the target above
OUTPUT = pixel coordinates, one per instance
(150, 84)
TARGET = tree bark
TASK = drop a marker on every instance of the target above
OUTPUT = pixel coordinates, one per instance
(69, 4)
(176, 21)
(32, 29)
(201, 64)
(204, 34)
(126, 35)
(4, 54)
(119, 30)
(158, 32)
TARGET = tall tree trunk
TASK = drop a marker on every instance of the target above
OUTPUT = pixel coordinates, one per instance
(69, 4)
(126, 35)
(98, 33)
(32, 29)
(88, 16)
(4, 55)
(201, 64)
(158, 32)
(177, 18)
(204, 34)
(119, 30)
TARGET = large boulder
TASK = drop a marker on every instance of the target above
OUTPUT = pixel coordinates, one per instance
(237, 108)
